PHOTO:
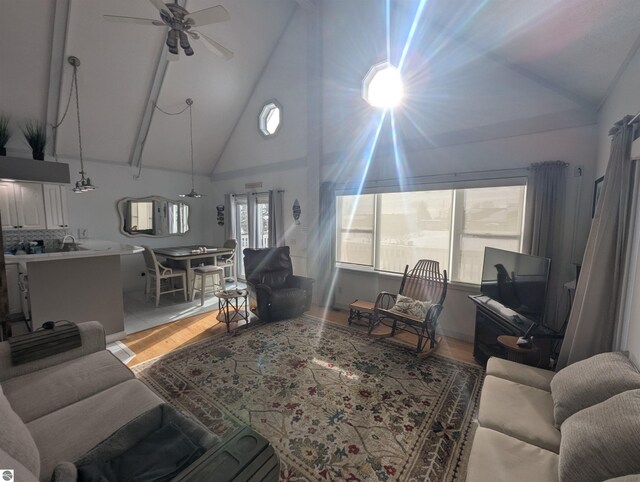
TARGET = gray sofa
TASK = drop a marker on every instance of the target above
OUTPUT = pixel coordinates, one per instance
(580, 424)
(58, 410)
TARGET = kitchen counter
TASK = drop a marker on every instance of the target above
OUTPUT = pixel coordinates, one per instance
(77, 285)
(88, 248)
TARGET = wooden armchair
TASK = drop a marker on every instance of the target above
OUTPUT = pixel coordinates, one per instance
(423, 283)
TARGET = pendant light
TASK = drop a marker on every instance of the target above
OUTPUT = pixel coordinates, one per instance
(193, 193)
(84, 183)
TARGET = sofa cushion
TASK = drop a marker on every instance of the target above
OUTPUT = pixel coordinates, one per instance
(20, 472)
(591, 381)
(522, 412)
(64, 384)
(603, 441)
(15, 440)
(67, 434)
(519, 373)
(496, 457)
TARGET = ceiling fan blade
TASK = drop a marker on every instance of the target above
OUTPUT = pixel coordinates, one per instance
(140, 21)
(160, 5)
(212, 45)
(207, 16)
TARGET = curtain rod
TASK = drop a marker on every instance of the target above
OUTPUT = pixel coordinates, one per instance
(260, 192)
(635, 118)
(420, 179)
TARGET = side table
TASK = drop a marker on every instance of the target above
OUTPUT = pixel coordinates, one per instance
(361, 309)
(233, 306)
(519, 354)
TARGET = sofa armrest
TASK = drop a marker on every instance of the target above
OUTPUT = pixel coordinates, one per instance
(92, 337)
(65, 472)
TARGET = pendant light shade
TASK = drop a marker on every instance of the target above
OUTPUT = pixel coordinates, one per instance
(192, 193)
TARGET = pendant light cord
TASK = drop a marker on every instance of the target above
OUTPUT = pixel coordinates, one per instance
(75, 78)
(73, 85)
(190, 103)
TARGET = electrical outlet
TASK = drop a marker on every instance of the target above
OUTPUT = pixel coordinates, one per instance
(83, 233)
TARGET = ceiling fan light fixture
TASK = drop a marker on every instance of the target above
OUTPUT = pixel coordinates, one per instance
(180, 23)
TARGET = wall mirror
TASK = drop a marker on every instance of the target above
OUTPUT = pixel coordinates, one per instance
(153, 216)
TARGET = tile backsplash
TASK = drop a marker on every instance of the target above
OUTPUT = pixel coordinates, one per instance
(51, 237)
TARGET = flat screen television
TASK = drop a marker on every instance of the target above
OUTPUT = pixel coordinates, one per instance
(518, 281)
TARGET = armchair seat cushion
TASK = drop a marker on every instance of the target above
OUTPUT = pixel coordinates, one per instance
(64, 384)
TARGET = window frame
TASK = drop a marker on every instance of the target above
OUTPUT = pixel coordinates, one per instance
(457, 220)
(263, 116)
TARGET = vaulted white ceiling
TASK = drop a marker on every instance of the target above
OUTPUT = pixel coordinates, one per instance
(565, 53)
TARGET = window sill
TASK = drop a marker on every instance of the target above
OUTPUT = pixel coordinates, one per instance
(456, 285)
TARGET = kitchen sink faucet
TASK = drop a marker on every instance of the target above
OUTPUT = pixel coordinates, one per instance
(64, 240)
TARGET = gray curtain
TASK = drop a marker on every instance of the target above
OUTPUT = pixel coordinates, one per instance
(599, 299)
(252, 207)
(229, 216)
(544, 230)
(325, 255)
(276, 218)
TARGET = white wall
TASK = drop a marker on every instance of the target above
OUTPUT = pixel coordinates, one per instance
(293, 181)
(623, 100)
(96, 211)
(284, 79)
(576, 146)
(548, 127)
(278, 162)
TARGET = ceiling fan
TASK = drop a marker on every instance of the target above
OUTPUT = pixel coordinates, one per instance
(181, 25)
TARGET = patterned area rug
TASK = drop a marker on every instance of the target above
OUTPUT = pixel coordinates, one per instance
(334, 403)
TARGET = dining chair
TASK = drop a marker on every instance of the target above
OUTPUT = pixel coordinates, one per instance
(200, 277)
(160, 273)
(229, 260)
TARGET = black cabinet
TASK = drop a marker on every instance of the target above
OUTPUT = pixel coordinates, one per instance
(494, 319)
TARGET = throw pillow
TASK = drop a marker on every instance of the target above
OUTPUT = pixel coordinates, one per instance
(603, 441)
(591, 381)
(414, 308)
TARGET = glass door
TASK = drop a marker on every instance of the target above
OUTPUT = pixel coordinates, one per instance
(242, 230)
(252, 224)
(262, 224)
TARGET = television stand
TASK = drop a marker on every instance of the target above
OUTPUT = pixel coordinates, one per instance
(493, 319)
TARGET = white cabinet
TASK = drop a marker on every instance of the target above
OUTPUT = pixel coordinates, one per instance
(22, 205)
(55, 205)
(8, 206)
(15, 302)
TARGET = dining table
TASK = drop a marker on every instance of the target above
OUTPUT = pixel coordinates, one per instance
(184, 255)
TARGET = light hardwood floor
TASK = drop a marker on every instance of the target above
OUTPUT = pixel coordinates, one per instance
(160, 340)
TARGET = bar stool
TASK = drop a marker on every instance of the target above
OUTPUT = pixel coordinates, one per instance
(204, 272)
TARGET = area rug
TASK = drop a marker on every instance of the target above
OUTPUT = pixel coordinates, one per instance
(334, 403)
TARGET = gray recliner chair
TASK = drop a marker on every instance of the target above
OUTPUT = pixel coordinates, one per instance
(278, 292)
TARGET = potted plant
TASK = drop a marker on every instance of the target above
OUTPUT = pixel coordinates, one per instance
(5, 133)
(36, 135)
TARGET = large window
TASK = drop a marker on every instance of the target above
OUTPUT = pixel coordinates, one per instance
(390, 230)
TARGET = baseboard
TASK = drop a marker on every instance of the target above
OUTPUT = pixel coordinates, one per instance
(121, 335)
